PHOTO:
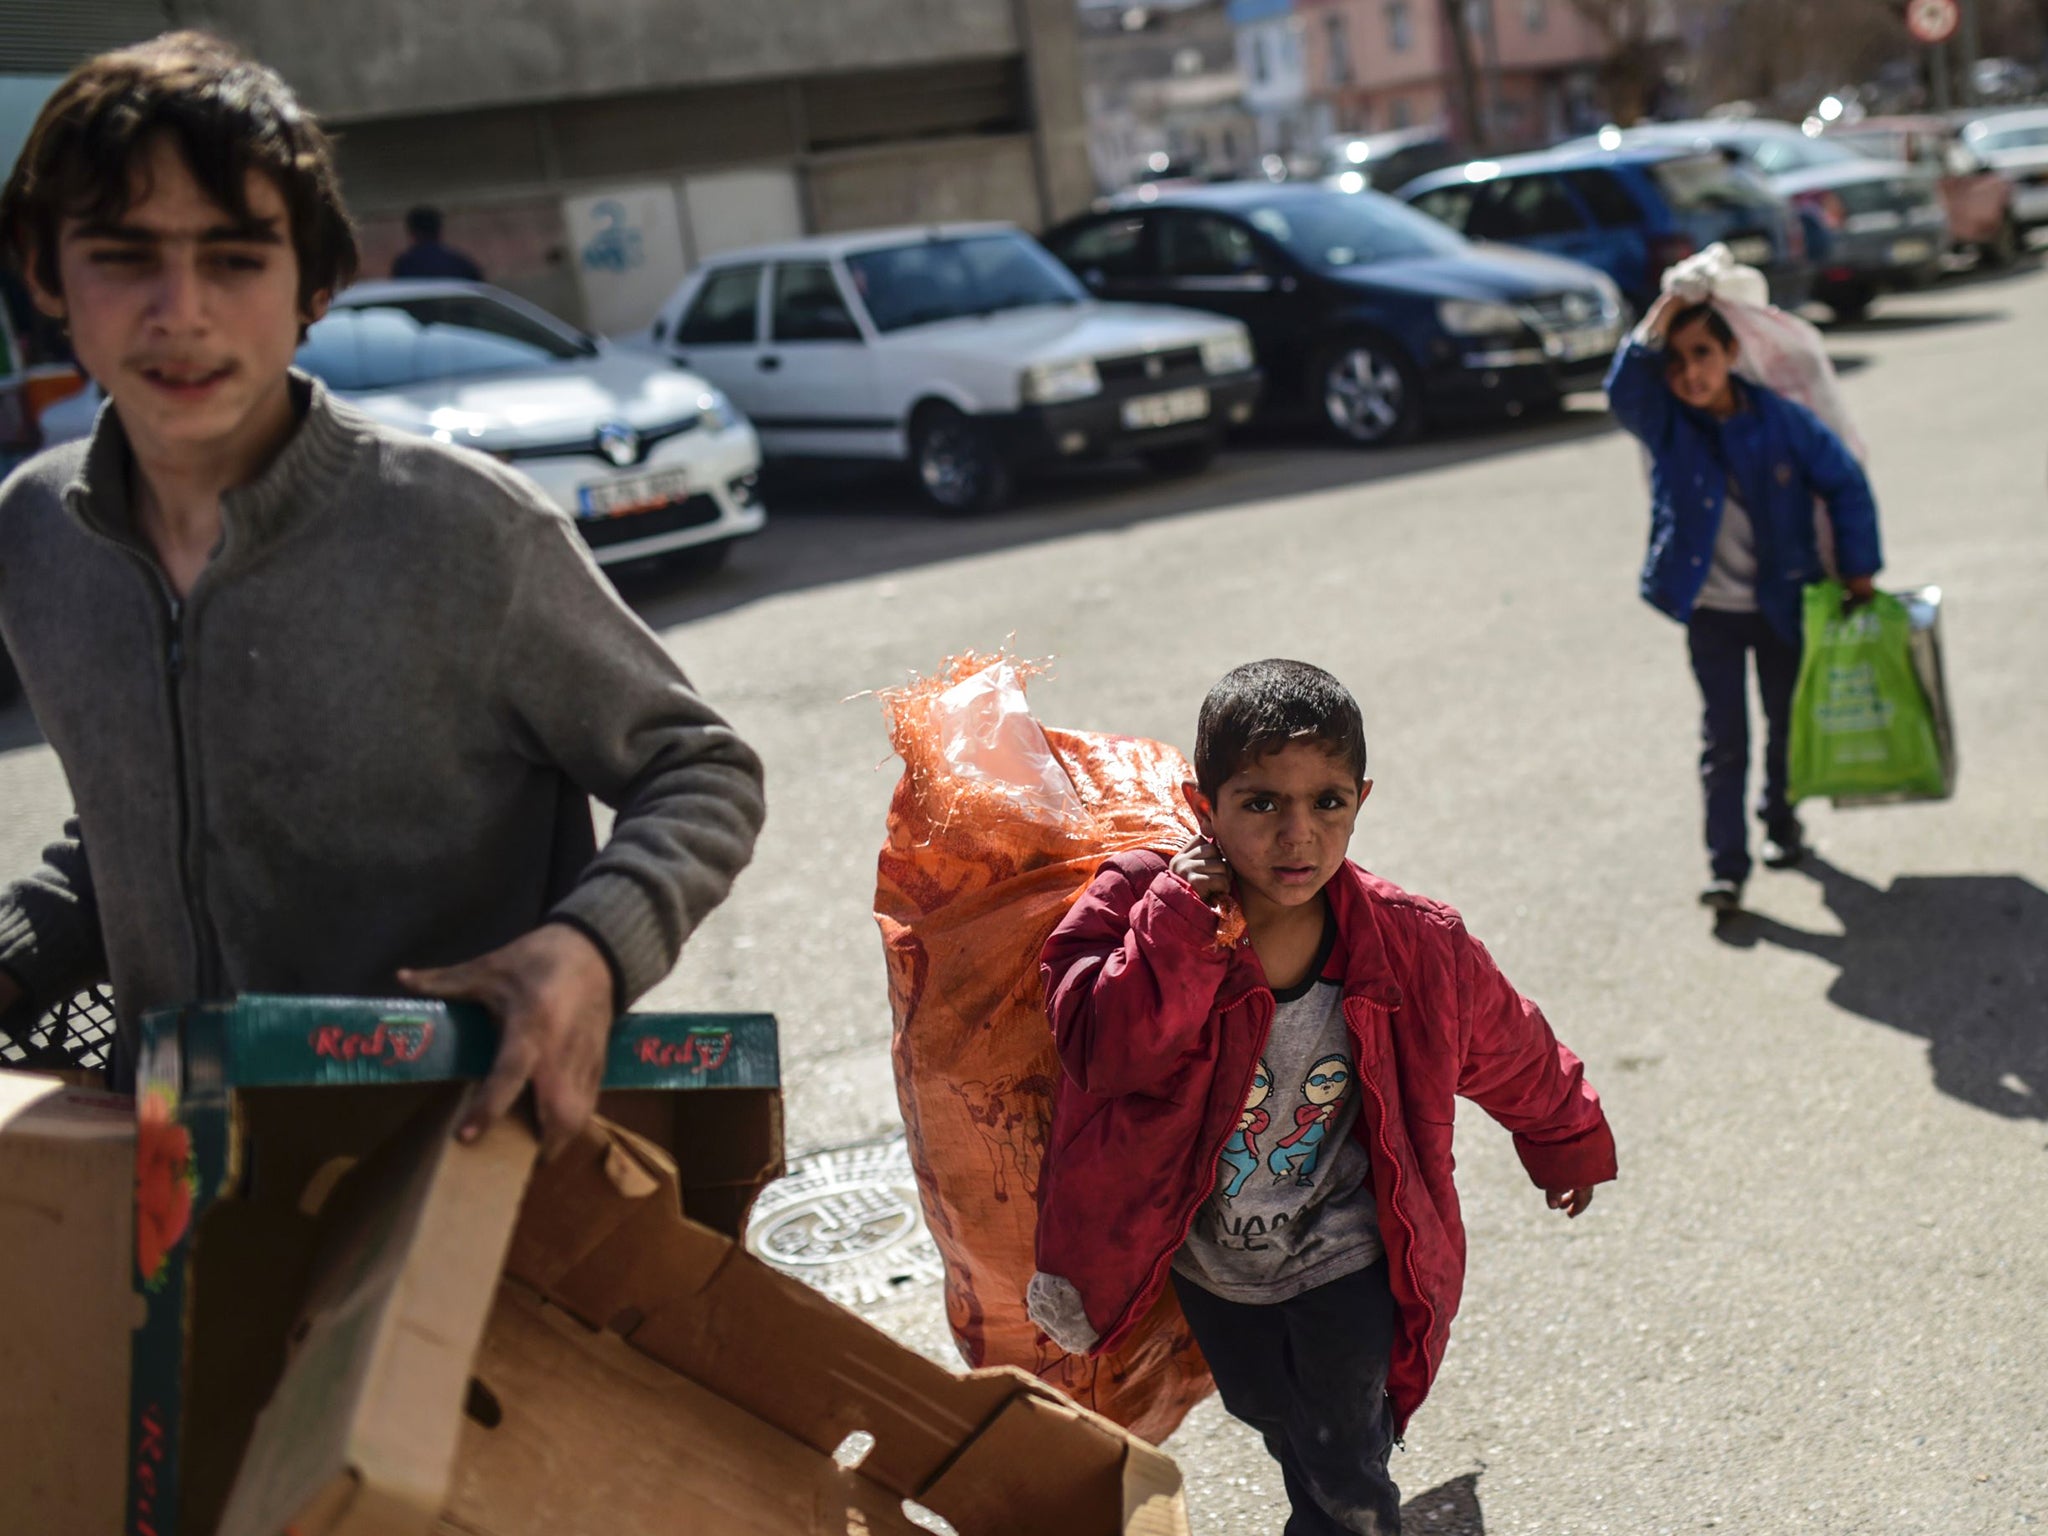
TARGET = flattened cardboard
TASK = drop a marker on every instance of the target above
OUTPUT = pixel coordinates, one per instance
(67, 1166)
(241, 1101)
(762, 1380)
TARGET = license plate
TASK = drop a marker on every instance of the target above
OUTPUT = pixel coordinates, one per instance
(1873, 223)
(1587, 341)
(1166, 410)
(1753, 252)
(1907, 252)
(634, 493)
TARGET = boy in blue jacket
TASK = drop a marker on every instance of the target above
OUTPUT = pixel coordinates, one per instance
(1735, 470)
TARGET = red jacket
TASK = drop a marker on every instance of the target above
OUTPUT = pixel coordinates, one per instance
(1160, 1030)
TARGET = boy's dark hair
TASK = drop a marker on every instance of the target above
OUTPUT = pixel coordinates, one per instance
(1715, 322)
(423, 222)
(1264, 705)
(226, 114)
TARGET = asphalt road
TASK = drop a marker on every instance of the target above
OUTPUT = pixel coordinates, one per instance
(1817, 1300)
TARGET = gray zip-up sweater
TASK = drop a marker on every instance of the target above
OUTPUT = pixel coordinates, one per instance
(366, 740)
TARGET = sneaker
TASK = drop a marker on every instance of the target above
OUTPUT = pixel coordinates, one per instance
(1722, 895)
(1785, 847)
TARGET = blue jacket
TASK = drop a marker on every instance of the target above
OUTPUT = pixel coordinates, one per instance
(1780, 455)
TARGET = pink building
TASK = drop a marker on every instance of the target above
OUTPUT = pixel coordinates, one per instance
(1384, 64)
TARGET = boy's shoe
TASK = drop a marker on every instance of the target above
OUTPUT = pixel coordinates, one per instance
(1785, 847)
(1722, 895)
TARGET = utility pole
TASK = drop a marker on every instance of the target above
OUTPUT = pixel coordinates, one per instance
(1969, 41)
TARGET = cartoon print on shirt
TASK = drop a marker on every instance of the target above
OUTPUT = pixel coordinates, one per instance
(1300, 1149)
(1241, 1152)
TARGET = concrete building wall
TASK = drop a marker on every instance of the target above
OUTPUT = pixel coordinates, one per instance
(925, 184)
(384, 57)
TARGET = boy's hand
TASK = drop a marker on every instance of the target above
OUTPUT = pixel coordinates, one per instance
(1201, 864)
(551, 993)
(1658, 320)
(1570, 1201)
(1861, 589)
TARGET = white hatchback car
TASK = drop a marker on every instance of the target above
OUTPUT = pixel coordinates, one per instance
(648, 459)
(967, 351)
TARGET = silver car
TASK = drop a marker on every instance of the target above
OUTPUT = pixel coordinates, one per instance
(2015, 144)
(648, 459)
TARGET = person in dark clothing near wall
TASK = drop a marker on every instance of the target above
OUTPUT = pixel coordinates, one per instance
(427, 256)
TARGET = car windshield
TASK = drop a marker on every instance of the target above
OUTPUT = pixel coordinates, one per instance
(1702, 183)
(1353, 229)
(1877, 143)
(398, 343)
(952, 278)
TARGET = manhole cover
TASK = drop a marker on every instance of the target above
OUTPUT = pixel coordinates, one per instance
(849, 1223)
(76, 1033)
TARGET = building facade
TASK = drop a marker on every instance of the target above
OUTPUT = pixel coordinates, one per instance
(1272, 60)
(1386, 64)
(587, 153)
(1162, 88)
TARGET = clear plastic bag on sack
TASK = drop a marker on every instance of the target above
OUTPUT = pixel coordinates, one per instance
(996, 827)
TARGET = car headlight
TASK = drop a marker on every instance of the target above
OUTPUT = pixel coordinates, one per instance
(716, 412)
(1229, 353)
(1050, 383)
(1478, 317)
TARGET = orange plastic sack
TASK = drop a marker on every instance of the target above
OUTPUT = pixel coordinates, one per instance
(997, 826)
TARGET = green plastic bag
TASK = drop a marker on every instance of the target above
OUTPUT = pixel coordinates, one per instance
(1861, 723)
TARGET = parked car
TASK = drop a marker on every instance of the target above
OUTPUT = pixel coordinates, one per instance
(1380, 162)
(965, 351)
(1365, 313)
(2015, 144)
(649, 460)
(1630, 212)
(1976, 198)
(1872, 226)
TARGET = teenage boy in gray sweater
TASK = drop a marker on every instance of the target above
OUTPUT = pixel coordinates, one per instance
(332, 700)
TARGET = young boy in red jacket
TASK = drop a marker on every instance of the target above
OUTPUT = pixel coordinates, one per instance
(1269, 1122)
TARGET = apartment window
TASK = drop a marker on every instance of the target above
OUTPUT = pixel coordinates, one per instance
(1338, 33)
(1400, 26)
(1400, 117)
(1535, 15)
(1262, 68)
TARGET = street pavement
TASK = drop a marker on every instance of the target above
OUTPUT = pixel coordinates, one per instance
(1817, 1299)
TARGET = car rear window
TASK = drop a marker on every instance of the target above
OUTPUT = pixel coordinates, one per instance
(1114, 247)
(723, 313)
(1524, 208)
(1610, 203)
(1707, 182)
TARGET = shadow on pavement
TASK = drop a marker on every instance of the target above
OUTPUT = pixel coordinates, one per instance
(1449, 1509)
(1847, 363)
(829, 526)
(1959, 960)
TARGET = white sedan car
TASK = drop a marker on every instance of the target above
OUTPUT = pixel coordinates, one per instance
(648, 459)
(967, 351)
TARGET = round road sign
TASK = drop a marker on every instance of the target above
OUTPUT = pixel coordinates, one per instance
(1932, 21)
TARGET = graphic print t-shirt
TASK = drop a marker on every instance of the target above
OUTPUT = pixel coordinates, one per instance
(1293, 1206)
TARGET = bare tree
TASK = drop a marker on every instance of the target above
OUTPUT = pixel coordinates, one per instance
(1466, 124)
(1634, 66)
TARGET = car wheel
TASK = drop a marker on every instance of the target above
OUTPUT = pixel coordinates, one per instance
(1183, 458)
(1368, 393)
(957, 465)
(1851, 302)
(2004, 250)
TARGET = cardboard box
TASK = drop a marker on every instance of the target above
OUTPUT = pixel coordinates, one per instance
(355, 1326)
(67, 1166)
(299, 1197)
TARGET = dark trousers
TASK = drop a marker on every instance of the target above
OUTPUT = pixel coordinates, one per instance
(1310, 1374)
(1721, 644)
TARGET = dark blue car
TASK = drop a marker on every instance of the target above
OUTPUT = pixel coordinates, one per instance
(1365, 314)
(1630, 211)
